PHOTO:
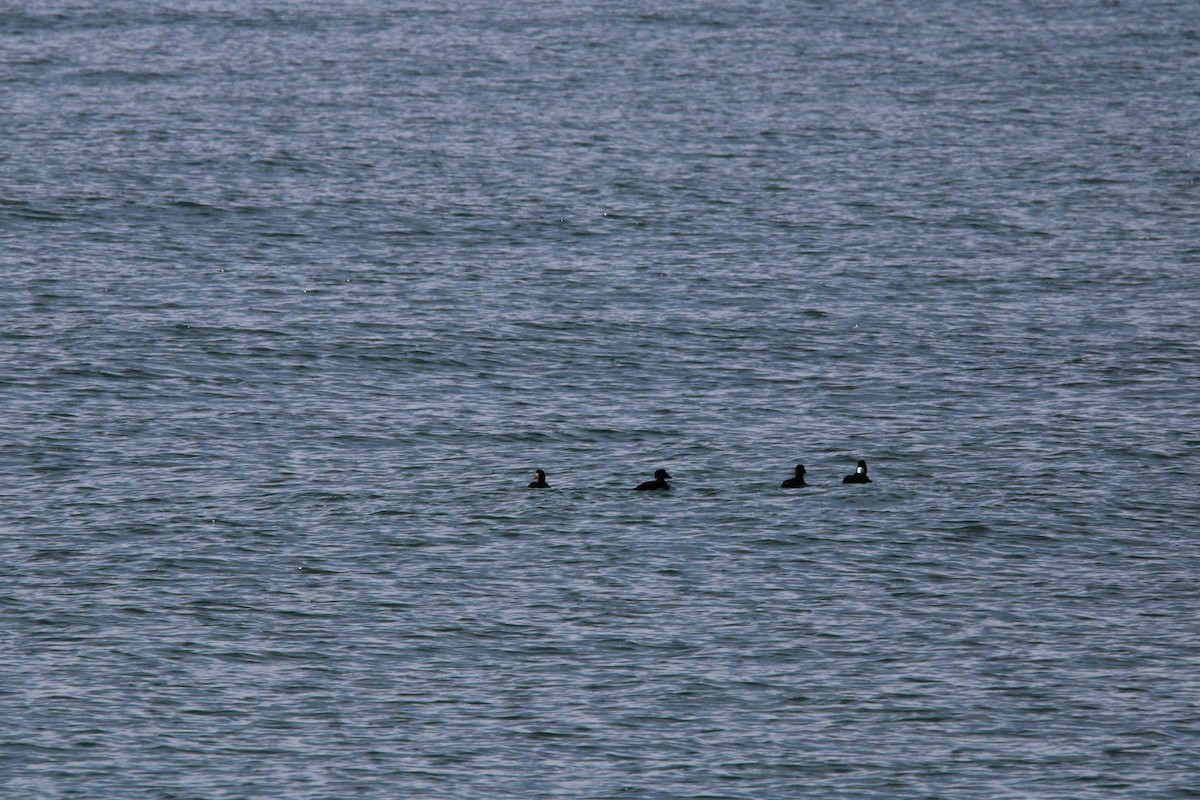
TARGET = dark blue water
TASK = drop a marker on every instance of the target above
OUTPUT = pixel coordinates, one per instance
(294, 297)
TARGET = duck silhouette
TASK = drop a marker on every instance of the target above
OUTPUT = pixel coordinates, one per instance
(659, 482)
(859, 475)
(795, 482)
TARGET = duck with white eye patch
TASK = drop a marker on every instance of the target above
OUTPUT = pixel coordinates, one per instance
(859, 475)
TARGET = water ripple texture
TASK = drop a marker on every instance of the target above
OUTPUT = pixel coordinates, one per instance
(297, 296)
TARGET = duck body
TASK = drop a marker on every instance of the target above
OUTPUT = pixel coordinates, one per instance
(859, 475)
(795, 482)
(659, 482)
(539, 480)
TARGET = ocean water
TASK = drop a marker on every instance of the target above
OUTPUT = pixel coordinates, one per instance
(295, 296)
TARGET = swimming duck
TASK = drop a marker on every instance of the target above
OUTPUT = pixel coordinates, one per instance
(659, 482)
(539, 480)
(796, 482)
(859, 475)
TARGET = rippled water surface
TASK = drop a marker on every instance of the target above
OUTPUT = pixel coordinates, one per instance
(296, 296)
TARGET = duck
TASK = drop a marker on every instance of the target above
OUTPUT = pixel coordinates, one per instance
(659, 482)
(797, 481)
(539, 480)
(859, 475)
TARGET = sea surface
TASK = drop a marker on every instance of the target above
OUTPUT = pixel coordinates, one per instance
(296, 295)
